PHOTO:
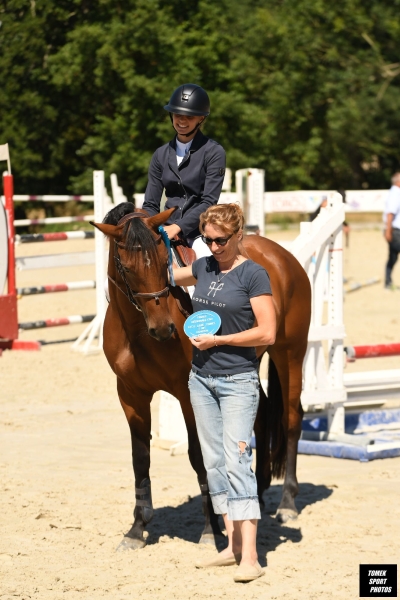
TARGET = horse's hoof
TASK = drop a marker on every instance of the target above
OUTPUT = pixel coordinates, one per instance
(209, 539)
(285, 514)
(128, 543)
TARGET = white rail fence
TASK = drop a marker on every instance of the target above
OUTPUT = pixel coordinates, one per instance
(318, 248)
(87, 342)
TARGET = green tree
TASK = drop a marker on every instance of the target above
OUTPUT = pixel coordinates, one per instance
(308, 91)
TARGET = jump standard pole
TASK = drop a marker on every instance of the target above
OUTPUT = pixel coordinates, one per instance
(8, 302)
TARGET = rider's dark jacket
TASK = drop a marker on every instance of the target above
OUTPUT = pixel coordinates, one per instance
(193, 186)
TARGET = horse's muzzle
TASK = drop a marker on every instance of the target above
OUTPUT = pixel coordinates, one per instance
(162, 334)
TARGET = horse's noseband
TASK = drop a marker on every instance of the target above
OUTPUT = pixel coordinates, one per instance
(130, 294)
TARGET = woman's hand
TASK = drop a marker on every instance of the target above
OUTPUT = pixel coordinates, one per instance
(203, 342)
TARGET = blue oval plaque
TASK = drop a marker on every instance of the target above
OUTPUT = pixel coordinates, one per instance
(201, 322)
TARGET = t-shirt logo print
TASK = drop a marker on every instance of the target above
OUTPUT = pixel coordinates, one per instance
(215, 287)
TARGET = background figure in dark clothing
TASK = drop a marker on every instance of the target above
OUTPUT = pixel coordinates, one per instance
(391, 217)
(316, 212)
(346, 227)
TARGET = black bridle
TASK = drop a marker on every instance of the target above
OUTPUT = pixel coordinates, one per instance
(130, 294)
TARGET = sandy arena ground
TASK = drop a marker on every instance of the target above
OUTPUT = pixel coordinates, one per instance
(67, 484)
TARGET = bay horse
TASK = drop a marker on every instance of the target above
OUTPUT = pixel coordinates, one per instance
(148, 351)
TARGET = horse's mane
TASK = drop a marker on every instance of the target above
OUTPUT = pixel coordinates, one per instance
(136, 234)
(115, 214)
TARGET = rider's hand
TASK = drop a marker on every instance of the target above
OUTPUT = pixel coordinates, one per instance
(172, 230)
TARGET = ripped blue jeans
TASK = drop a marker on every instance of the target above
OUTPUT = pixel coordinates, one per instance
(225, 409)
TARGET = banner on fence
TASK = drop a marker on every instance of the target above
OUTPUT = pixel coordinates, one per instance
(307, 201)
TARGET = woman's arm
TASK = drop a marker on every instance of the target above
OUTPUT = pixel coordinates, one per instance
(184, 276)
(263, 334)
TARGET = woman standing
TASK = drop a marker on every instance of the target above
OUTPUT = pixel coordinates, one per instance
(223, 382)
(191, 167)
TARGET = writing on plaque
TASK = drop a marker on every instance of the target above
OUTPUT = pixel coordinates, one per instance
(202, 322)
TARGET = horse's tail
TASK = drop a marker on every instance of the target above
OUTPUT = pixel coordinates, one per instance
(276, 443)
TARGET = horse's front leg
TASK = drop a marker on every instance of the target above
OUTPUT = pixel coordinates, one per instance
(139, 420)
(212, 533)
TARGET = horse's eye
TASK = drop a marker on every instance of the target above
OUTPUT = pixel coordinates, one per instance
(125, 269)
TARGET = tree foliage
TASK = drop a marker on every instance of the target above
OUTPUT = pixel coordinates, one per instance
(307, 90)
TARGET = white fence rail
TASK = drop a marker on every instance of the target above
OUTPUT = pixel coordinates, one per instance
(318, 248)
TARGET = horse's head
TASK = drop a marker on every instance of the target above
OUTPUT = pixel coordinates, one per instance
(140, 265)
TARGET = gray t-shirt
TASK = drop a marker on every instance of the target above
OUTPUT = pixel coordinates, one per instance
(230, 298)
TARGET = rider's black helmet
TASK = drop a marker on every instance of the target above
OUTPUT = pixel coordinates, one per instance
(189, 99)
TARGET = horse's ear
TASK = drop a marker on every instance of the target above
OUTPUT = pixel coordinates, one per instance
(157, 220)
(114, 231)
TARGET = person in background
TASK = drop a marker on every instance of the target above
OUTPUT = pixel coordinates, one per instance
(316, 212)
(391, 218)
(191, 168)
(346, 227)
(224, 383)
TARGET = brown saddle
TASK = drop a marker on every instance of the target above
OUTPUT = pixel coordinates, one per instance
(185, 256)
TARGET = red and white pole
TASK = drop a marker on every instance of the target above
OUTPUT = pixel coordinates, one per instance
(8, 303)
(372, 350)
(8, 184)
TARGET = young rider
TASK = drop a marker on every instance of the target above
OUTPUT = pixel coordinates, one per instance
(191, 167)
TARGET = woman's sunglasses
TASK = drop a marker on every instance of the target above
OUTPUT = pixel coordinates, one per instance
(222, 241)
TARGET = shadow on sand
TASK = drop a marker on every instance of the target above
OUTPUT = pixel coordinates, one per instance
(186, 520)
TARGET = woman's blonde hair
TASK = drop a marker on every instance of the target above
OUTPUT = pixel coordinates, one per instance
(228, 217)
